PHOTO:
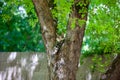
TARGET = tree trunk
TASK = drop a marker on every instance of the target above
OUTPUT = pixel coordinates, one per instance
(113, 73)
(63, 59)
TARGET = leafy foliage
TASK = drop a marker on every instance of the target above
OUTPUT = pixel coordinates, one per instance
(100, 63)
(61, 12)
(19, 26)
(102, 37)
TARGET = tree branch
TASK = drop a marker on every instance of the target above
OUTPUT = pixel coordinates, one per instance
(46, 21)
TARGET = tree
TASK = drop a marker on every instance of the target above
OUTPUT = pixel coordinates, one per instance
(63, 26)
(63, 56)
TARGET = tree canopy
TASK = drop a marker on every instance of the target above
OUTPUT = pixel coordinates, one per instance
(20, 28)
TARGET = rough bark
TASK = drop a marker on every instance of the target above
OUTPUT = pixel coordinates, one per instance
(47, 27)
(113, 73)
(62, 60)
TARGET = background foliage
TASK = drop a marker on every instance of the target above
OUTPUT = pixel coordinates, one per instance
(102, 35)
(19, 27)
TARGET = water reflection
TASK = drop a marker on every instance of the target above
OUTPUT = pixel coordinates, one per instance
(21, 66)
